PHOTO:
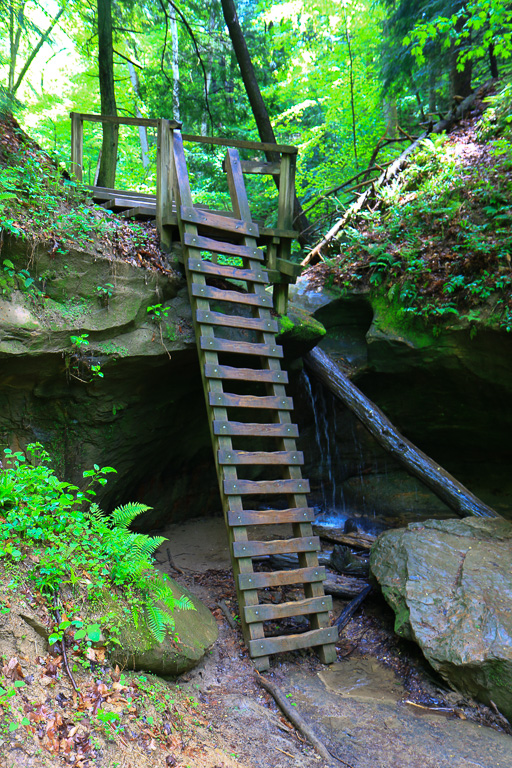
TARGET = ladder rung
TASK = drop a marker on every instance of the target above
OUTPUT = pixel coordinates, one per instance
(290, 458)
(268, 645)
(244, 487)
(240, 347)
(228, 249)
(278, 547)
(250, 401)
(207, 317)
(208, 268)
(270, 516)
(280, 578)
(212, 371)
(269, 611)
(249, 428)
(217, 221)
(235, 297)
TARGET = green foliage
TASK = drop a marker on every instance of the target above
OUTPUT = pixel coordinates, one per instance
(157, 312)
(71, 541)
(37, 202)
(440, 247)
(497, 119)
(12, 280)
(477, 25)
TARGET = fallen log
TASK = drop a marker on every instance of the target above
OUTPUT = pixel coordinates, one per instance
(417, 463)
(343, 587)
(347, 613)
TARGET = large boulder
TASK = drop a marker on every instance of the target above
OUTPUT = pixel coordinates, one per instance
(194, 633)
(450, 585)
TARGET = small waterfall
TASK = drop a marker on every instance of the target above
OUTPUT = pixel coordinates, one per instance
(323, 407)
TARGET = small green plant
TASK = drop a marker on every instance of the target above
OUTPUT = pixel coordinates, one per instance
(158, 311)
(105, 293)
(80, 341)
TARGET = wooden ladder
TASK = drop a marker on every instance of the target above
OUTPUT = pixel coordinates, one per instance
(262, 418)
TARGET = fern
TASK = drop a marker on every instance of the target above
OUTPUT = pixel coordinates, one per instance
(132, 554)
(123, 516)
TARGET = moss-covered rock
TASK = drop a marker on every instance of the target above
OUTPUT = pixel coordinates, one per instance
(194, 634)
(299, 332)
(145, 416)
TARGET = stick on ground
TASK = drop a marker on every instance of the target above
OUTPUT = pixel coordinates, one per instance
(298, 721)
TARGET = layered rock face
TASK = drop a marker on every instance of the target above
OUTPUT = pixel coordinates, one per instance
(145, 415)
(450, 585)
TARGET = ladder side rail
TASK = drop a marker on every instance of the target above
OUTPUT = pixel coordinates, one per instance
(327, 653)
(230, 505)
(286, 201)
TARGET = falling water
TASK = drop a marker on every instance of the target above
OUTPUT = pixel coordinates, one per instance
(325, 418)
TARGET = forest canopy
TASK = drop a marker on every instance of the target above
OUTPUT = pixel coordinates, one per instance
(333, 78)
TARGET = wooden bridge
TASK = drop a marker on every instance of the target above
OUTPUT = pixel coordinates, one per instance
(245, 388)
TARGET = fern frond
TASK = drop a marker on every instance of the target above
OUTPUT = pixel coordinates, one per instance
(159, 590)
(123, 516)
(157, 621)
(142, 547)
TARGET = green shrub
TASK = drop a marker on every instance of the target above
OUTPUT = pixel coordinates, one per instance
(71, 541)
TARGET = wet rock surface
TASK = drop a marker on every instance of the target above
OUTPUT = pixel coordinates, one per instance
(450, 585)
(447, 392)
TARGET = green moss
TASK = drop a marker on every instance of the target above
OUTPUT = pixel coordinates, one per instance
(285, 324)
(112, 349)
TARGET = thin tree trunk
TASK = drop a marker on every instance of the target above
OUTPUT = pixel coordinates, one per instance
(259, 110)
(107, 174)
(460, 79)
(352, 98)
(493, 62)
(173, 28)
(30, 58)
(209, 65)
(143, 131)
(417, 463)
(15, 30)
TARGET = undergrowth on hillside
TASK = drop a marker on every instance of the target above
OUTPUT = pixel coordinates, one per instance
(41, 205)
(70, 542)
(438, 244)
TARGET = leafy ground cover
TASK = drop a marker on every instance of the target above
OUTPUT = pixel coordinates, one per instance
(436, 244)
(41, 205)
(61, 702)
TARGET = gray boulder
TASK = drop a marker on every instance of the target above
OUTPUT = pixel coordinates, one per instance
(194, 634)
(450, 585)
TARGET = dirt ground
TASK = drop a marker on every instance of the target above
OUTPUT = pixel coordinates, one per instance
(380, 706)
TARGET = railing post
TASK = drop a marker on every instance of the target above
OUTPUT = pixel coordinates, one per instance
(284, 221)
(164, 180)
(77, 146)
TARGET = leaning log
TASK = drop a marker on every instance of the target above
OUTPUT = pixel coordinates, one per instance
(417, 463)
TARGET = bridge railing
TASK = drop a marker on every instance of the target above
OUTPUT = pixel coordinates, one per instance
(279, 163)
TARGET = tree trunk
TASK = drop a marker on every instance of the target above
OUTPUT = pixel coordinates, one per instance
(417, 463)
(107, 174)
(259, 110)
(173, 29)
(143, 131)
(460, 79)
(493, 62)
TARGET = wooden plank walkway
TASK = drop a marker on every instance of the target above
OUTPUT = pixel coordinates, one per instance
(260, 438)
